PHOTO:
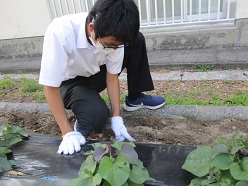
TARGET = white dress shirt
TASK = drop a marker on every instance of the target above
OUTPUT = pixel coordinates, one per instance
(67, 52)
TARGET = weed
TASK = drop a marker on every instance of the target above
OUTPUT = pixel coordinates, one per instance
(231, 82)
(204, 68)
(105, 97)
(30, 85)
(239, 99)
(229, 68)
(6, 83)
(195, 92)
(40, 96)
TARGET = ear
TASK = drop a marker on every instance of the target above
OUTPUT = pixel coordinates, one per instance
(91, 26)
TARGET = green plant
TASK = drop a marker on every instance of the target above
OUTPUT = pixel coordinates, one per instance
(40, 96)
(6, 83)
(10, 135)
(30, 85)
(105, 97)
(226, 163)
(116, 164)
(239, 98)
(204, 68)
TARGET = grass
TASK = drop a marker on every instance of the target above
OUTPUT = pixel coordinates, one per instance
(6, 83)
(178, 94)
(204, 68)
(25, 87)
(30, 85)
(240, 99)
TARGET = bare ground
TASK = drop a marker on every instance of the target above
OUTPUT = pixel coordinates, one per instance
(174, 130)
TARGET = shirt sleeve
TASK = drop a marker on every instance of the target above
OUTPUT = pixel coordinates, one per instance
(114, 61)
(54, 56)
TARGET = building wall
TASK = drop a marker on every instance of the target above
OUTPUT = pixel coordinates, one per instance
(24, 28)
(24, 18)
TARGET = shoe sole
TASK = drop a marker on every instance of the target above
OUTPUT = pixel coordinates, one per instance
(130, 109)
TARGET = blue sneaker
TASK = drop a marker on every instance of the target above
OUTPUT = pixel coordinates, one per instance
(145, 101)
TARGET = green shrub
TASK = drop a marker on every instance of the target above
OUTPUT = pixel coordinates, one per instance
(226, 163)
(111, 165)
(30, 85)
(9, 135)
(6, 83)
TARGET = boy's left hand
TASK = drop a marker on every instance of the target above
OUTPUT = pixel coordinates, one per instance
(119, 129)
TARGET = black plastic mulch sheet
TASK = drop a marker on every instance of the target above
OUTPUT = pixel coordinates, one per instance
(37, 158)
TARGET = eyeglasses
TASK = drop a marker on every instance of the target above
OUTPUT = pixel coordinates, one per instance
(111, 47)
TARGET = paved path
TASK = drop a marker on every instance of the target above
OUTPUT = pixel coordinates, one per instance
(171, 75)
(193, 112)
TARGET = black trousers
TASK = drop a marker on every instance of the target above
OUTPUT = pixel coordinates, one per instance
(81, 94)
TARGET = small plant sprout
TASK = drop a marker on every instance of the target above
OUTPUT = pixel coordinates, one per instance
(226, 163)
(112, 165)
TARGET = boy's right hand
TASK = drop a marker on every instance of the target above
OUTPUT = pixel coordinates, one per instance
(71, 143)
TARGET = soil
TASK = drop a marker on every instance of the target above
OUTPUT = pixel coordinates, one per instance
(174, 130)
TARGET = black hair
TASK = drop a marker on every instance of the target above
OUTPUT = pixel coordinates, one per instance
(117, 18)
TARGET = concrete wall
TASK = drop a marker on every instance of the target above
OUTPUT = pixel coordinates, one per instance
(24, 27)
(242, 12)
(25, 18)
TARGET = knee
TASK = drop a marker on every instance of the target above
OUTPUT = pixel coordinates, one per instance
(92, 117)
(99, 116)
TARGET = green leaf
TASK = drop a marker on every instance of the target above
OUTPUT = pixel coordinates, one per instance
(125, 184)
(227, 178)
(13, 140)
(3, 130)
(115, 172)
(88, 164)
(90, 152)
(138, 173)
(198, 162)
(240, 173)
(5, 165)
(4, 150)
(129, 152)
(95, 145)
(86, 179)
(130, 183)
(223, 161)
(238, 140)
(105, 183)
(196, 182)
(2, 143)
(219, 148)
(235, 149)
(214, 175)
(17, 130)
(205, 182)
(242, 183)
(118, 145)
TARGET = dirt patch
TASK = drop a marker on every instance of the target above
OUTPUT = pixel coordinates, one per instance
(174, 130)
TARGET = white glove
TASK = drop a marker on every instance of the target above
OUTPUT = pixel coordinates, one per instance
(71, 143)
(119, 129)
